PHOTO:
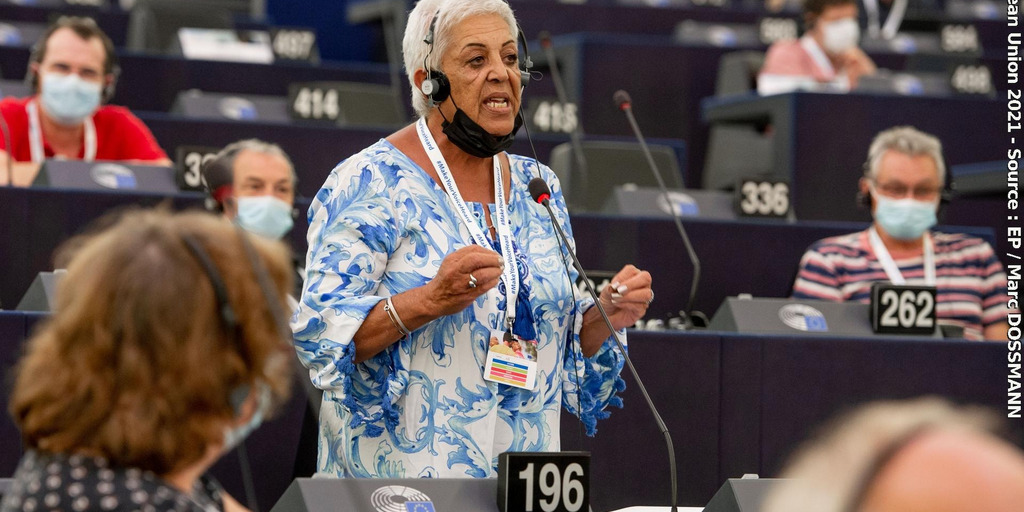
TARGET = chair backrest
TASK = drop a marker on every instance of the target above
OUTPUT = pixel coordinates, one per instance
(153, 24)
(370, 105)
(609, 164)
(737, 72)
(735, 152)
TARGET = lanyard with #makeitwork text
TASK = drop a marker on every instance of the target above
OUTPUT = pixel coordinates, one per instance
(35, 135)
(510, 275)
(893, 271)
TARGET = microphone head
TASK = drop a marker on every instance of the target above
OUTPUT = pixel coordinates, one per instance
(545, 39)
(621, 99)
(539, 190)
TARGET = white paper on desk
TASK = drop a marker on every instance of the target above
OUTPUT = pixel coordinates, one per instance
(226, 45)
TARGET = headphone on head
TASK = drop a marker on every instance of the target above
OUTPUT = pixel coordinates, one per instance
(226, 313)
(110, 66)
(219, 177)
(437, 88)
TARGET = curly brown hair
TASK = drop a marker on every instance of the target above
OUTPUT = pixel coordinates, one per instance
(136, 365)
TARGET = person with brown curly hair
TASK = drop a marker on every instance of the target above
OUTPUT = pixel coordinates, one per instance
(164, 352)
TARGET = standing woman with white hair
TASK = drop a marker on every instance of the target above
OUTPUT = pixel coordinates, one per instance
(426, 245)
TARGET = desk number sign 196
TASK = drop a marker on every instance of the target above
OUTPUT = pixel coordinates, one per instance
(544, 482)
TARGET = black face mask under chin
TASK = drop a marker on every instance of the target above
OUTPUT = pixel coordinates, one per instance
(472, 138)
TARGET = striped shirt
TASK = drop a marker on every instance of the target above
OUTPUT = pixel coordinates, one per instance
(970, 280)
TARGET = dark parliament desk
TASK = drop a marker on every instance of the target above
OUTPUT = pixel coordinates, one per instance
(746, 256)
(734, 404)
(316, 148)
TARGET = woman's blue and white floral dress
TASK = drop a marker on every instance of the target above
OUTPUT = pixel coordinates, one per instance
(421, 408)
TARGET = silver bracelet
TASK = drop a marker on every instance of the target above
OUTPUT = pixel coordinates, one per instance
(389, 308)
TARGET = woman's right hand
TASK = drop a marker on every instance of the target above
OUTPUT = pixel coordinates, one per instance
(450, 290)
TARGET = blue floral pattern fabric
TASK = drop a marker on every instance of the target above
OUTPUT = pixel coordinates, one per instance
(421, 408)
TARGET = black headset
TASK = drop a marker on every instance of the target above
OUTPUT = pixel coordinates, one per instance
(110, 66)
(438, 88)
(227, 314)
(218, 173)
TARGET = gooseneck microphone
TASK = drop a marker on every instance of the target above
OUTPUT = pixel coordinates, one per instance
(540, 193)
(582, 176)
(623, 102)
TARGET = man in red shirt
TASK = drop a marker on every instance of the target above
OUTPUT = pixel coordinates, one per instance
(73, 73)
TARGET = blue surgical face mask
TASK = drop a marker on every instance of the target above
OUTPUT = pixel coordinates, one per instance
(264, 215)
(68, 99)
(233, 436)
(904, 219)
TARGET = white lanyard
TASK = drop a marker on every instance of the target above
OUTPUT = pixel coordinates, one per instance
(821, 60)
(891, 270)
(892, 23)
(818, 55)
(510, 275)
(35, 135)
(872, 10)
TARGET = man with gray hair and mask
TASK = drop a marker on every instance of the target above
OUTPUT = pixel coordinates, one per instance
(903, 184)
(253, 184)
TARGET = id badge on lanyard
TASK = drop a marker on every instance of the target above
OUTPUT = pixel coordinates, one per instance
(520, 368)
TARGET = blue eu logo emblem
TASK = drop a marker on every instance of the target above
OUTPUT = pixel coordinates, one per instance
(803, 318)
(816, 323)
(419, 506)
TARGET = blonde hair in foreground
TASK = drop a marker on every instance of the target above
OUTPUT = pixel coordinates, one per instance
(136, 365)
(827, 471)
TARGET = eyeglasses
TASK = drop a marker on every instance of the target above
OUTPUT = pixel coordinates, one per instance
(899, 191)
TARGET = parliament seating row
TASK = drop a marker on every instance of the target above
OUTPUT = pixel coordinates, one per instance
(315, 149)
(667, 97)
(153, 82)
(668, 83)
(820, 141)
(734, 404)
(113, 21)
(758, 257)
(620, 17)
(150, 82)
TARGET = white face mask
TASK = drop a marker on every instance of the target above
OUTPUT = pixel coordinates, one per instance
(233, 436)
(264, 215)
(68, 99)
(904, 219)
(841, 35)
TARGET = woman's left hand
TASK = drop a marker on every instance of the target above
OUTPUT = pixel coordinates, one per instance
(627, 296)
